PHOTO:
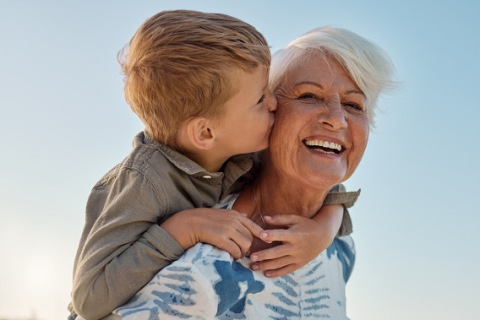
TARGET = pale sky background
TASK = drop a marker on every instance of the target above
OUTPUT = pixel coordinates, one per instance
(64, 123)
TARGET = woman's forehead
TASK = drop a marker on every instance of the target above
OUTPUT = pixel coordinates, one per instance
(317, 70)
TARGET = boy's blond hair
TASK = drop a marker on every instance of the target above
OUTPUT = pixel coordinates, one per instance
(182, 64)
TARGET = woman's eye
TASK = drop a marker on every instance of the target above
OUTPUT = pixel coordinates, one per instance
(261, 99)
(354, 106)
(306, 96)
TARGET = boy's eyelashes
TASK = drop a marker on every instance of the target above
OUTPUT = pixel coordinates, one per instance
(261, 99)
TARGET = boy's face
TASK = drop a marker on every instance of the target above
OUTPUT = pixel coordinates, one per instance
(249, 116)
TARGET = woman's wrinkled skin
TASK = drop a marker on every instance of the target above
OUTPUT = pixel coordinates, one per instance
(318, 102)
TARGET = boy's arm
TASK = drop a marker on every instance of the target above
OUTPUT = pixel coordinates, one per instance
(122, 246)
(296, 249)
(225, 229)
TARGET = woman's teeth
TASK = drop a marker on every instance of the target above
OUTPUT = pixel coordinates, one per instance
(327, 146)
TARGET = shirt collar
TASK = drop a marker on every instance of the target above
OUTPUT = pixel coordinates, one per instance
(233, 168)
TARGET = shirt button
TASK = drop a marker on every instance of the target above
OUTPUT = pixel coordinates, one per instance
(207, 177)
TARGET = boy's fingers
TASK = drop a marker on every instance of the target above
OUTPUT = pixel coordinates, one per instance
(282, 235)
(283, 219)
(270, 253)
(243, 241)
(232, 248)
(254, 228)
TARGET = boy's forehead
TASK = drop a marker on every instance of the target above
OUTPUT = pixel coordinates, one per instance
(263, 72)
(249, 85)
(258, 75)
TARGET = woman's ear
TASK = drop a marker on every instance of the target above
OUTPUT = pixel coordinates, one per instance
(199, 133)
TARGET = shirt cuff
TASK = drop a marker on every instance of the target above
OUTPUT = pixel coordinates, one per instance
(164, 242)
(338, 195)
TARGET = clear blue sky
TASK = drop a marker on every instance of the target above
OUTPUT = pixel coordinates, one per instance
(64, 123)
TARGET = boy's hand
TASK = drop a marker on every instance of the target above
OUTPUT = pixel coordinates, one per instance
(226, 229)
(301, 241)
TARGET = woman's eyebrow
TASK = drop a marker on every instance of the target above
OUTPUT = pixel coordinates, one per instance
(316, 84)
(354, 91)
(312, 83)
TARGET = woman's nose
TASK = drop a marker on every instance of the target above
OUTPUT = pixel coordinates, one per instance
(333, 115)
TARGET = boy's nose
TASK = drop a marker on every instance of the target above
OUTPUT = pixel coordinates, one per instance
(272, 103)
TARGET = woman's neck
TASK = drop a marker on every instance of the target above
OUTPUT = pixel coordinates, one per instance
(282, 195)
(270, 195)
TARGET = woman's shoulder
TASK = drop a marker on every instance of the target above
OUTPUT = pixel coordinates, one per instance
(346, 240)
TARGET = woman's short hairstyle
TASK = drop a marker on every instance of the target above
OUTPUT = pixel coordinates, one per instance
(182, 64)
(367, 64)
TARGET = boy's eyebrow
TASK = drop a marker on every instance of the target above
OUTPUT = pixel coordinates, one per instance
(263, 89)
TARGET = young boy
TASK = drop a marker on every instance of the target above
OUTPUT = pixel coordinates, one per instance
(198, 82)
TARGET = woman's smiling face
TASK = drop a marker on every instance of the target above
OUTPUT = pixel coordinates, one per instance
(321, 128)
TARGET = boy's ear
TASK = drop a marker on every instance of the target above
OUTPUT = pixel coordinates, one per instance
(199, 133)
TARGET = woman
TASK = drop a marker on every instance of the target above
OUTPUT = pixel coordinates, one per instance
(327, 83)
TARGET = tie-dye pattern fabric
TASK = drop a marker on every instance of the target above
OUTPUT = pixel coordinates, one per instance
(206, 283)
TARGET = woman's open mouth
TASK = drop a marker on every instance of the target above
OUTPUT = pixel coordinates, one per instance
(324, 146)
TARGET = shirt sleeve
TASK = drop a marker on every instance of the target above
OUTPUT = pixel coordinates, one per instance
(122, 246)
(339, 195)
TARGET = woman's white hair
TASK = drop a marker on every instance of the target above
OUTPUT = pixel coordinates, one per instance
(367, 64)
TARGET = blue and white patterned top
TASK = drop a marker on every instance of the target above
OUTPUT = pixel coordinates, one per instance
(207, 283)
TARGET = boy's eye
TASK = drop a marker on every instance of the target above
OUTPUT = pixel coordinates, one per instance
(261, 99)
